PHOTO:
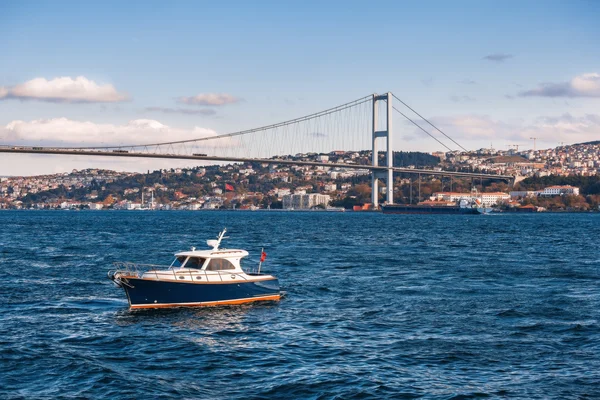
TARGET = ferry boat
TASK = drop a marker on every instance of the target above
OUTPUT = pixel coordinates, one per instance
(196, 278)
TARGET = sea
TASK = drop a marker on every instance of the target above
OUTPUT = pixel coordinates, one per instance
(375, 307)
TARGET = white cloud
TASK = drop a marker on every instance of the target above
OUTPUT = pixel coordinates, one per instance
(471, 128)
(209, 99)
(63, 90)
(568, 128)
(65, 132)
(585, 85)
(69, 133)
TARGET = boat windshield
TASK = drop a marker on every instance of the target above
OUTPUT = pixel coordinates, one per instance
(194, 262)
(178, 262)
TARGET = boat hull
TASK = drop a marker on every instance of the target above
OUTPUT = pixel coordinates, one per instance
(149, 293)
(416, 209)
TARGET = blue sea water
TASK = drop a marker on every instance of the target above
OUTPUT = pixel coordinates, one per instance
(376, 306)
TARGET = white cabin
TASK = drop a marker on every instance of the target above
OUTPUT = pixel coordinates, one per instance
(214, 265)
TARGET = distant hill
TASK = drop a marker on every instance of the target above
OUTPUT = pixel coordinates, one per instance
(594, 142)
(416, 158)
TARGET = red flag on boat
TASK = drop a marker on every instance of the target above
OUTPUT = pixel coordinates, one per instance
(263, 256)
(228, 187)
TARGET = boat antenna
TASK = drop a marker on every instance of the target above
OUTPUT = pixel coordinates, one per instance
(220, 237)
(215, 243)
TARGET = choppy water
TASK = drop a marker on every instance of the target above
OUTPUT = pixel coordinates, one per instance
(377, 306)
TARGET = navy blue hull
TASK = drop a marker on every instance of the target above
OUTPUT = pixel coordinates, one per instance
(146, 293)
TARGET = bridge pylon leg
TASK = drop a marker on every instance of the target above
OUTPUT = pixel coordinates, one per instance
(386, 134)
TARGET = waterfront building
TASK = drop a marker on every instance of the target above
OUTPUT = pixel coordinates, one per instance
(559, 190)
(491, 199)
(305, 201)
(133, 206)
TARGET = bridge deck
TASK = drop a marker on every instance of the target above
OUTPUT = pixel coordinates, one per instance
(76, 152)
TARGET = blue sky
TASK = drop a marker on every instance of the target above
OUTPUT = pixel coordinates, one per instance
(485, 71)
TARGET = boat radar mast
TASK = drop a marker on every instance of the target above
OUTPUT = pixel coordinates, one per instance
(215, 243)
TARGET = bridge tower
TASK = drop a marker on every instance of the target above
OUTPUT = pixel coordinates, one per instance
(379, 132)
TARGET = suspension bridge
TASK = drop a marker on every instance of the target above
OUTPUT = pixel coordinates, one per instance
(365, 123)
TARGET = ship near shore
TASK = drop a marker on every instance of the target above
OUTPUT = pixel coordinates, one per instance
(464, 206)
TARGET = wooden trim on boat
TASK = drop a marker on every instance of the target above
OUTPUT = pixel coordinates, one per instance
(275, 297)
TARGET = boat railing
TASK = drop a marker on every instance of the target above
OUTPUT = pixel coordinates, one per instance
(137, 269)
(254, 271)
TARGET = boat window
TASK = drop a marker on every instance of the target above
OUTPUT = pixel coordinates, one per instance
(194, 262)
(178, 261)
(219, 264)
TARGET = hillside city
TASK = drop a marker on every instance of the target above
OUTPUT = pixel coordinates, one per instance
(562, 179)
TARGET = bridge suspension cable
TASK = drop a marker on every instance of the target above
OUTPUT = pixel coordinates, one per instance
(345, 128)
(421, 128)
(426, 120)
(244, 132)
(308, 133)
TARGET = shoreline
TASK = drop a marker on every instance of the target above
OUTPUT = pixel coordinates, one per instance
(292, 211)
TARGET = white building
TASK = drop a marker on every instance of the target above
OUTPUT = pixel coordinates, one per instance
(330, 187)
(305, 201)
(282, 192)
(559, 190)
(133, 206)
(491, 199)
(195, 206)
(213, 203)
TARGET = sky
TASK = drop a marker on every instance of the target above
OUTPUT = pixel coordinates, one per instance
(488, 73)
